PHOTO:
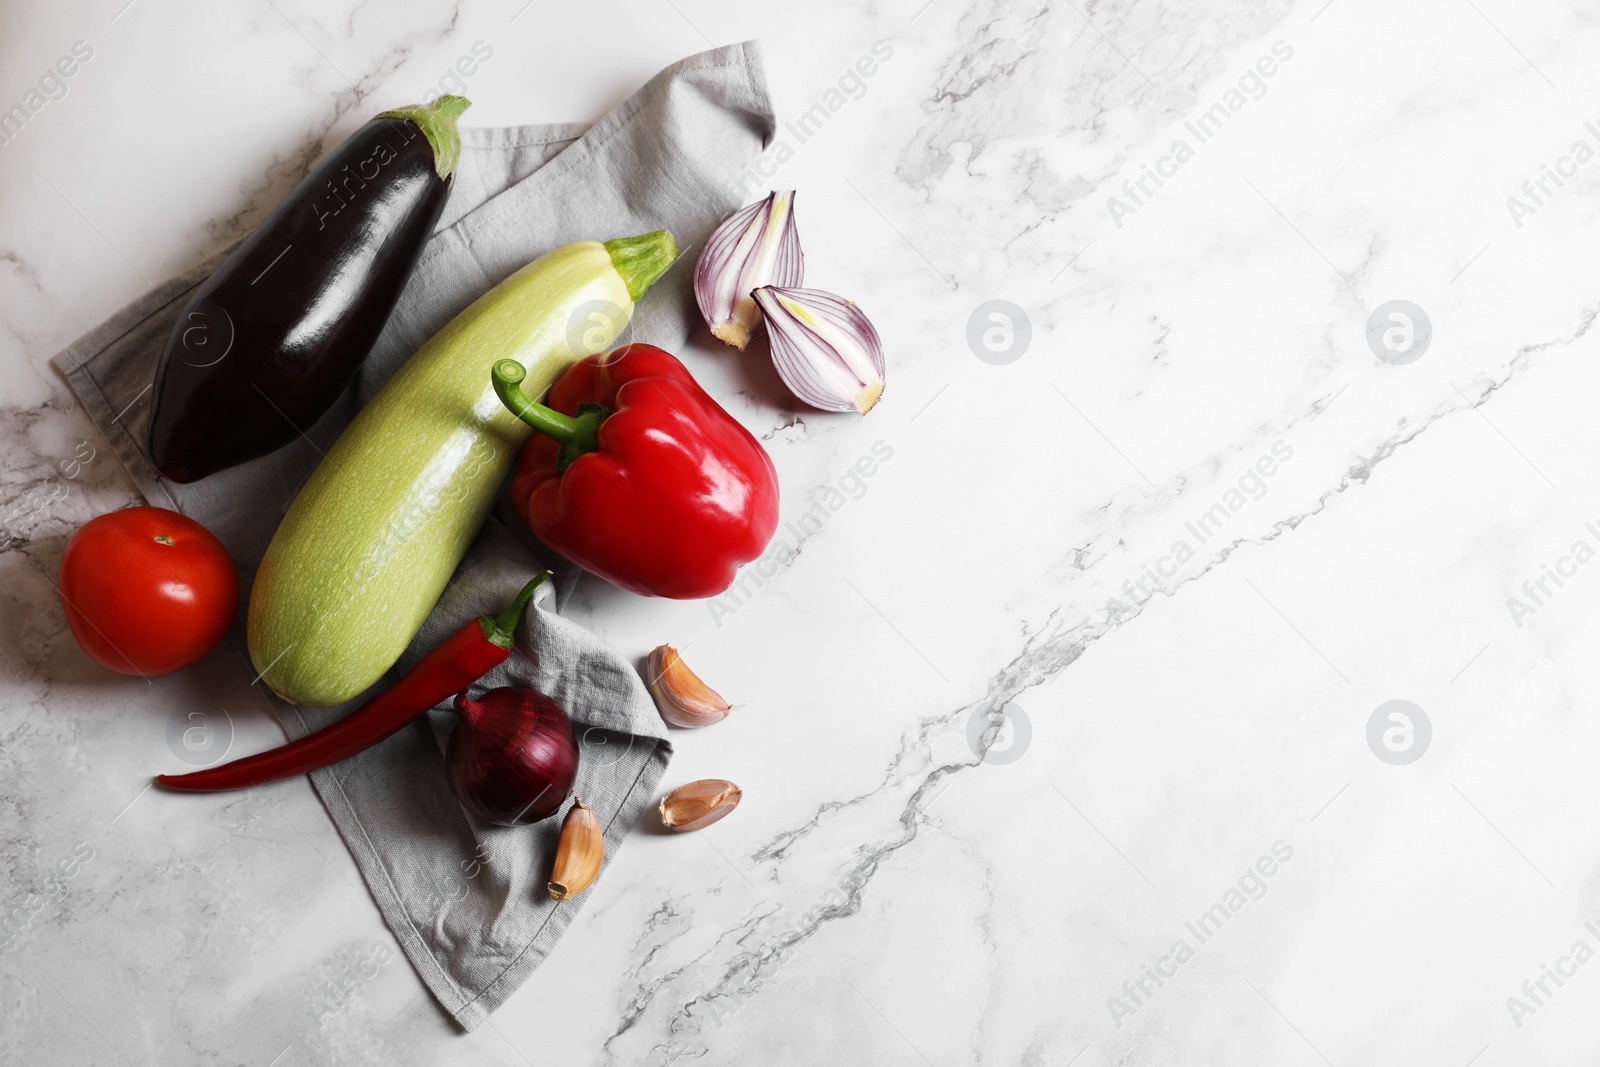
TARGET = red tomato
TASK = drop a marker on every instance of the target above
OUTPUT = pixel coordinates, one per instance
(147, 590)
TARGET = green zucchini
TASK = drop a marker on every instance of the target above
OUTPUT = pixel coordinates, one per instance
(371, 540)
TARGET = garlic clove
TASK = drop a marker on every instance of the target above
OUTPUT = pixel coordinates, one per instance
(755, 246)
(824, 348)
(578, 856)
(681, 697)
(699, 804)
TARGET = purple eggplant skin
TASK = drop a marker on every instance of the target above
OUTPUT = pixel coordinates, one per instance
(268, 342)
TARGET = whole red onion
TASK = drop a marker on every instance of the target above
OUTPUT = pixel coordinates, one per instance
(512, 757)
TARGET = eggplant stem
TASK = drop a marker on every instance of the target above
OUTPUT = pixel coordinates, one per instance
(437, 121)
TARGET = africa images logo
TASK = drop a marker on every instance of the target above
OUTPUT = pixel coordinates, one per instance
(52, 86)
(1252, 85)
(1251, 486)
(1252, 885)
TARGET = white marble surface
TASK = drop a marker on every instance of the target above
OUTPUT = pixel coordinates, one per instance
(883, 896)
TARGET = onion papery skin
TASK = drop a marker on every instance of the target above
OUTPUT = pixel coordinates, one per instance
(512, 757)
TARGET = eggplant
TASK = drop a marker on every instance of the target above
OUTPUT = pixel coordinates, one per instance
(268, 342)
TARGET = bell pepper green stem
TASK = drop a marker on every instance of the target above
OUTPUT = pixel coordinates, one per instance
(508, 375)
(501, 629)
(576, 434)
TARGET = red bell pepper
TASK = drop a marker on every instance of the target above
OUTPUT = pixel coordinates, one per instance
(640, 477)
(461, 659)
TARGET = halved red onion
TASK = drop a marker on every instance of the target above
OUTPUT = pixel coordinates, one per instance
(824, 348)
(756, 245)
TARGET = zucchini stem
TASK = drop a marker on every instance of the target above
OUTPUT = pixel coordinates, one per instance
(642, 259)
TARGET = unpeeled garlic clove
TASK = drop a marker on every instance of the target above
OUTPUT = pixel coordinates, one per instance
(578, 856)
(824, 348)
(681, 697)
(755, 246)
(699, 804)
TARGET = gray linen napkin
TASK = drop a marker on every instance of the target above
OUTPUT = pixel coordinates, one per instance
(465, 900)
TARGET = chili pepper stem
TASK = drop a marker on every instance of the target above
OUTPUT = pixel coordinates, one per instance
(501, 629)
(576, 434)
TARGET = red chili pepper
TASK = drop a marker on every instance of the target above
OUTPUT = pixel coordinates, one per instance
(639, 476)
(462, 658)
